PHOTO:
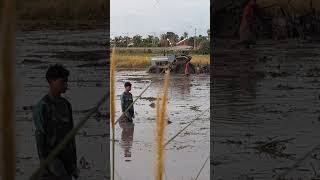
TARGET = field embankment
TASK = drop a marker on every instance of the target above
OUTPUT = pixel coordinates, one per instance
(142, 60)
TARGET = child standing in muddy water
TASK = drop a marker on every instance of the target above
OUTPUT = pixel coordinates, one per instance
(126, 100)
(53, 120)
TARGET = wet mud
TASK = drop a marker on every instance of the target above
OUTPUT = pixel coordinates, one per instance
(266, 111)
(87, 84)
(135, 145)
(41, 46)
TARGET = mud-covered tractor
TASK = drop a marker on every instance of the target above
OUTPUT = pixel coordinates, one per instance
(174, 59)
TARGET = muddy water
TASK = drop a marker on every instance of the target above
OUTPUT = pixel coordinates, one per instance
(135, 144)
(267, 94)
(83, 53)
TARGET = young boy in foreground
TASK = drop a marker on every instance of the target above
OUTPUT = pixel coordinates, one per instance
(53, 120)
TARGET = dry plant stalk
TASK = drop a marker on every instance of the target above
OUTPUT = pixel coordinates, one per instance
(112, 105)
(7, 29)
(161, 112)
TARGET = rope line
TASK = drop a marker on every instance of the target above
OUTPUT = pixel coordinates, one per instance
(123, 113)
(202, 168)
(74, 131)
(171, 139)
(66, 140)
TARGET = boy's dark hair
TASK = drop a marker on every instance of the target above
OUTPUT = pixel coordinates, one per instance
(56, 71)
(127, 84)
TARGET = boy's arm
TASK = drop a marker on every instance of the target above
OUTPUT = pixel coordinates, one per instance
(122, 103)
(132, 105)
(39, 117)
(131, 109)
(73, 146)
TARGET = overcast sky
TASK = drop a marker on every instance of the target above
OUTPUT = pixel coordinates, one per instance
(131, 17)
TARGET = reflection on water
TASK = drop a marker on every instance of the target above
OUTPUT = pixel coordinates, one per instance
(182, 85)
(126, 137)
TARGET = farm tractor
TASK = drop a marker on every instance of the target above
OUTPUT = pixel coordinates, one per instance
(174, 59)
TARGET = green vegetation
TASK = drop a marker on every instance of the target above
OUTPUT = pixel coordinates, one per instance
(202, 45)
(142, 60)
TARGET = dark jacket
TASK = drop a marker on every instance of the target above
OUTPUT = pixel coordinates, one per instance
(53, 120)
(126, 100)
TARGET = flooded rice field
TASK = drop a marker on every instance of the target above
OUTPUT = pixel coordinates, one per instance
(84, 55)
(266, 115)
(135, 144)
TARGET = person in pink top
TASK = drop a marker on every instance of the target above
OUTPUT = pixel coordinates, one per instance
(247, 34)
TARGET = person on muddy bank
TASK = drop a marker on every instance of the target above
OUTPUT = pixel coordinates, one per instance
(126, 100)
(52, 117)
(247, 31)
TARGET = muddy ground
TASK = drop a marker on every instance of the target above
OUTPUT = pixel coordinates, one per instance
(83, 53)
(135, 145)
(266, 113)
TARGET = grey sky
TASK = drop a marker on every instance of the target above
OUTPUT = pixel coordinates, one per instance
(131, 17)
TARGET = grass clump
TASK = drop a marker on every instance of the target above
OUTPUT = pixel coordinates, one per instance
(142, 60)
(112, 106)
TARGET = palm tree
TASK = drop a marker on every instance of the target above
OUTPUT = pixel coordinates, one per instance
(163, 39)
(172, 37)
(185, 35)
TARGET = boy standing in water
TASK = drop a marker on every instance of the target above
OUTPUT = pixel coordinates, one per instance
(53, 120)
(126, 100)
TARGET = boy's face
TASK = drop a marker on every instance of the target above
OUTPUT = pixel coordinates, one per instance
(59, 85)
(128, 88)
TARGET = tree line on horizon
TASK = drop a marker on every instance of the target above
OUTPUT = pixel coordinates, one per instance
(202, 43)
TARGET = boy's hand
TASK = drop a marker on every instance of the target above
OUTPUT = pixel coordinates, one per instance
(76, 173)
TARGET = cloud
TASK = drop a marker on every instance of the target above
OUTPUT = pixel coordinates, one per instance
(146, 16)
